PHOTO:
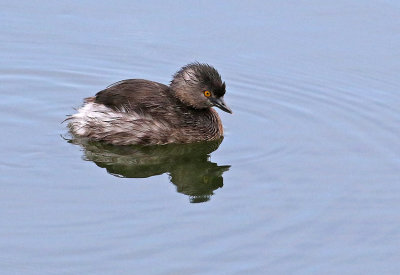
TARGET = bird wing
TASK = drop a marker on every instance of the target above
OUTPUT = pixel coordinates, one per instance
(133, 95)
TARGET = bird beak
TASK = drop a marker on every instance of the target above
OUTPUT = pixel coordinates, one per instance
(220, 103)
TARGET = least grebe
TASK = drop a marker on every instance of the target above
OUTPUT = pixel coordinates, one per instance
(138, 111)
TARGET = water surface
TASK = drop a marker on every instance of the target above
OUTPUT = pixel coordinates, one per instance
(306, 180)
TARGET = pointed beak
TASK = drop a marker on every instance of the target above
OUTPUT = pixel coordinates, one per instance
(220, 103)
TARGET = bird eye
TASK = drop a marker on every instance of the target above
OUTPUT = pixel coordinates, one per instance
(207, 93)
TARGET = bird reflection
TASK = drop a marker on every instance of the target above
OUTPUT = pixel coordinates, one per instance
(188, 165)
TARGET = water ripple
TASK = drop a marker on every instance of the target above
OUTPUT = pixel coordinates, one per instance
(289, 113)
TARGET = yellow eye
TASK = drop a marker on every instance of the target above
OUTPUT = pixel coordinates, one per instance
(207, 93)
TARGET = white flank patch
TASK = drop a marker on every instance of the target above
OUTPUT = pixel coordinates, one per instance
(98, 114)
(99, 122)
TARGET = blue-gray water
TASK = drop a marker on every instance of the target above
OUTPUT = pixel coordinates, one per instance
(306, 181)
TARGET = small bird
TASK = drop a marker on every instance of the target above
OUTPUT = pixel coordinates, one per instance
(138, 111)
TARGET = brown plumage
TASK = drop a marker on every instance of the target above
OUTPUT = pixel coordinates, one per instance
(138, 111)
